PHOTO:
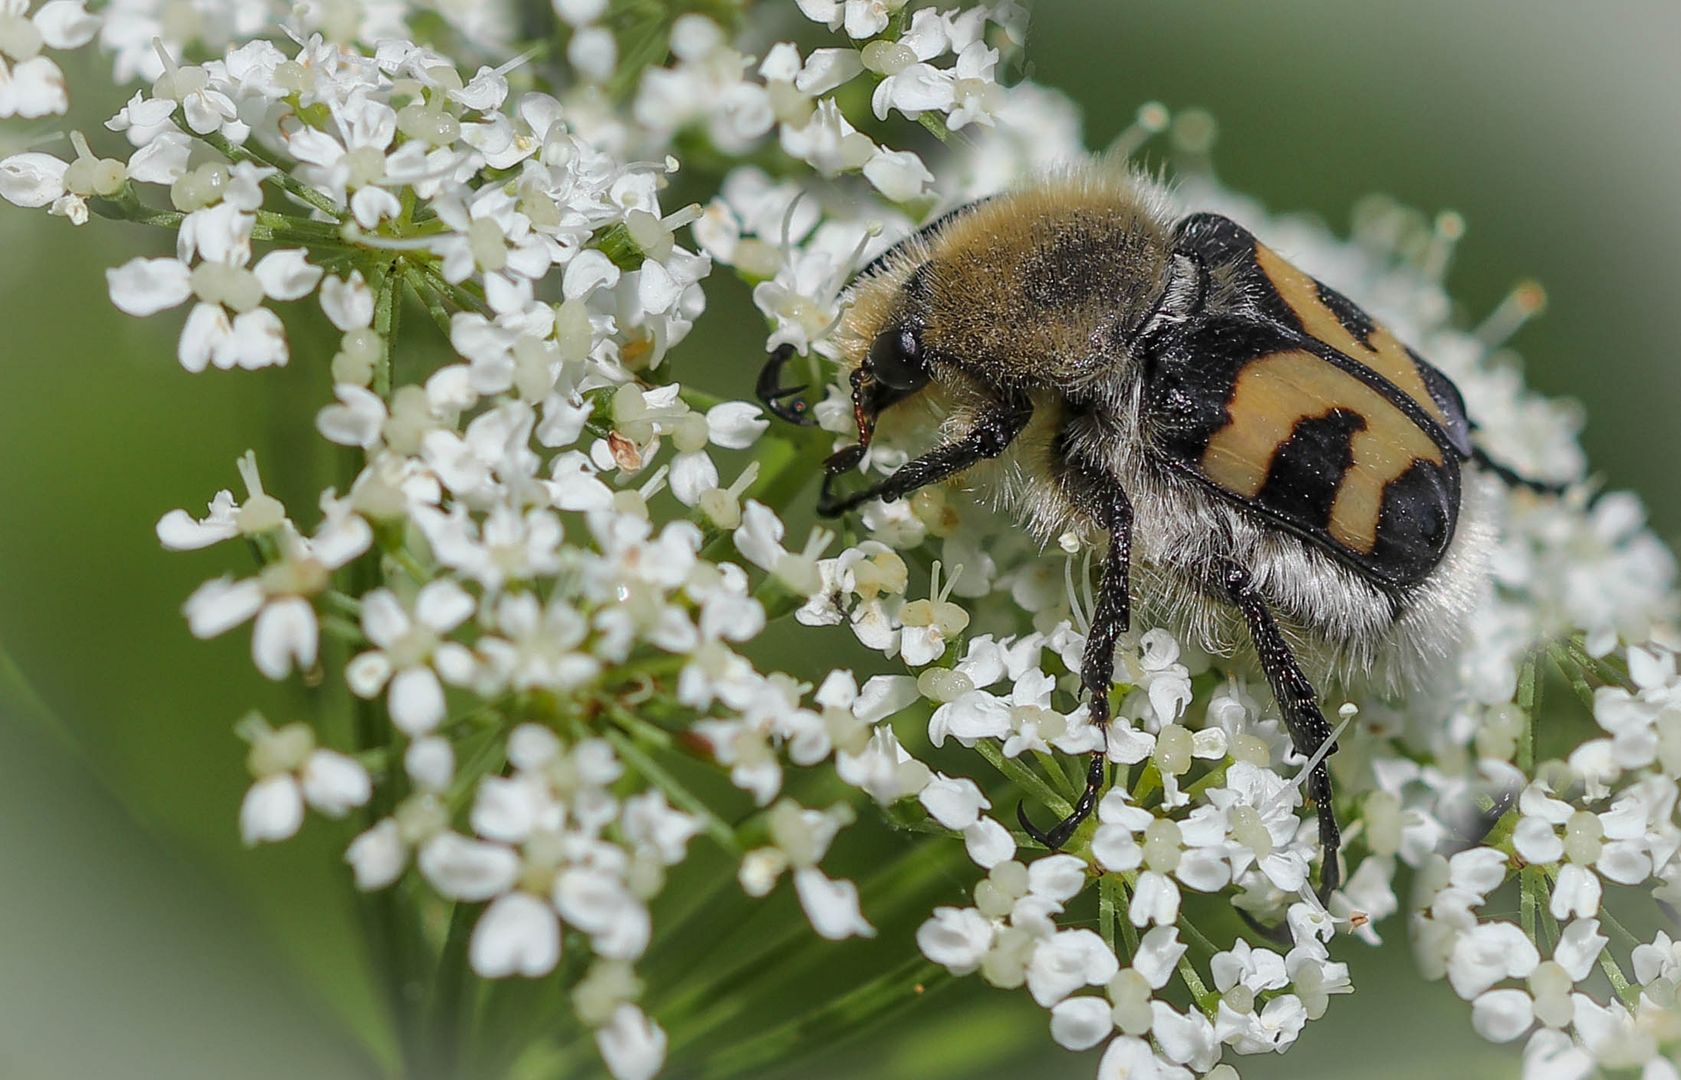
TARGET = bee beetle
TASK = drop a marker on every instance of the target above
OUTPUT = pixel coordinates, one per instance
(1277, 474)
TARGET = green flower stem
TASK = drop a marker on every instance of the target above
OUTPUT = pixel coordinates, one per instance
(429, 297)
(449, 1019)
(1529, 692)
(342, 628)
(463, 297)
(1123, 893)
(845, 1015)
(1208, 1003)
(1148, 781)
(1574, 673)
(1108, 889)
(1530, 887)
(890, 888)
(1055, 767)
(268, 227)
(680, 796)
(343, 603)
(1025, 778)
(1621, 930)
(1197, 937)
(388, 309)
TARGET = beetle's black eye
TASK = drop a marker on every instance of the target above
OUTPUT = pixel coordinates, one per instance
(896, 359)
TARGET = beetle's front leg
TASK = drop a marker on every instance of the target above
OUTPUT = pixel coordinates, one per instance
(991, 434)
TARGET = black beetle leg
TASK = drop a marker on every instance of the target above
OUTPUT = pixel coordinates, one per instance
(774, 396)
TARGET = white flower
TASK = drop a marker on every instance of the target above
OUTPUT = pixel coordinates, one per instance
(286, 631)
(800, 838)
(227, 326)
(31, 85)
(957, 938)
(291, 771)
(410, 652)
(1065, 962)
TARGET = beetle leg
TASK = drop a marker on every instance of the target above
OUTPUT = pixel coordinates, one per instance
(1100, 496)
(1299, 704)
(988, 438)
(774, 396)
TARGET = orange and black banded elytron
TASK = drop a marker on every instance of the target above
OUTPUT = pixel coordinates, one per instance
(1305, 409)
(1286, 453)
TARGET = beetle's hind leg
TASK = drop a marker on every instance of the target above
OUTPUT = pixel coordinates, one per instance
(1299, 704)
(782, 401)
(1098, 495)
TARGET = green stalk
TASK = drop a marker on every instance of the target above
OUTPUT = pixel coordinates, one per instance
(680, 796)
(1025, 778)
(429, 297)
(1530, 886)
(1529, 694)
(387, 313)
(449, 1019)
(844, 1016)
(906, 878)
(1107, 909)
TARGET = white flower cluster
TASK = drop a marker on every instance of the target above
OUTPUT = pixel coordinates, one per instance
(545, 576)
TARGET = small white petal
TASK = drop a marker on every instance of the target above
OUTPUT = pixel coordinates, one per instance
(588, 271)
(272, 810)
(1067, 961)
(148, 286)
(1502, 1015)
(31, 180)
(430, 763)
(348, 302)
(989, 843)
(1080, 1023)
(417, 701)
(832, 906)
(286, 274)
(368, 673)
(957, 938)
(517, 935)
(899, 175)
(1057, 877)
(206, 328)
(632, 1045)
(735, 425)
(164, 160)
(443, 605)
(464, 869)
(955, 802)
(179, 531)
(376, 857)
(222, 604)
(357, 420)
(286, 633)
(257, 339)
(335, 784)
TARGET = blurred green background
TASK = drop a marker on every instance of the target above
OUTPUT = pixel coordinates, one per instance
(137, 937)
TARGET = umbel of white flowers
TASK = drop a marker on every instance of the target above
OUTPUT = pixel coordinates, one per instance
(547, 571)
